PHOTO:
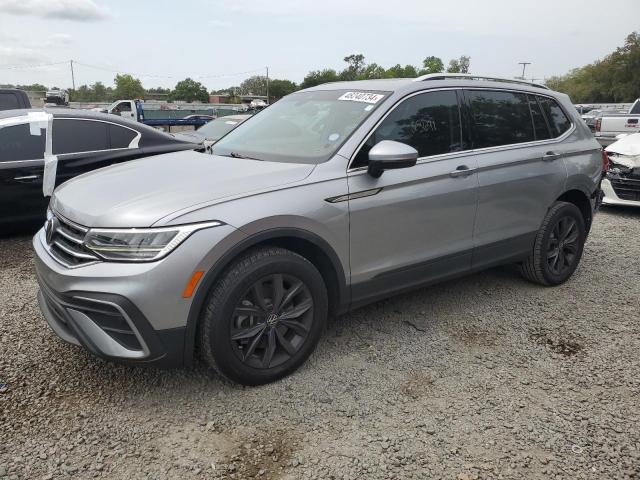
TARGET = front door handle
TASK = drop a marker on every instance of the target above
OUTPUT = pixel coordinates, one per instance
(462, 171)
(26, 178)
(551, 156)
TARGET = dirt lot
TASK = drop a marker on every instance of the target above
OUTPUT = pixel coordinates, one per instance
(482, 377)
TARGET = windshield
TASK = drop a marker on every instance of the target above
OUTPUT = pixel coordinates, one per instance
(219, 127)
(306, 127)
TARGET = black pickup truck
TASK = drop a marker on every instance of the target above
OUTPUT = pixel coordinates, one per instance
(12, 99)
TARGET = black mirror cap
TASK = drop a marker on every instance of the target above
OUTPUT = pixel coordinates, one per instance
(390, 155)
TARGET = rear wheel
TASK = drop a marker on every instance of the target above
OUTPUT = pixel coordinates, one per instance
(264, 316)
(558, 246)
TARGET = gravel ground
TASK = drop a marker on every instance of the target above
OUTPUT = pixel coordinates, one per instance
(483, 377)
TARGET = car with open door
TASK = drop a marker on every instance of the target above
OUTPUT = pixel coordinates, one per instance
(79, 141)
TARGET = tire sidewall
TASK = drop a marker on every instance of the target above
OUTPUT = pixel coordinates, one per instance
(564, 210)
(226, 358)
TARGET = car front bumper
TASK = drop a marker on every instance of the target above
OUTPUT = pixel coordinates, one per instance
(611, 198)
(129, 312)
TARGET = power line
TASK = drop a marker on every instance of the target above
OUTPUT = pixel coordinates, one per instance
(125, 71)
(230, 74)
(27, 67)
(151, 75)
(116, 70)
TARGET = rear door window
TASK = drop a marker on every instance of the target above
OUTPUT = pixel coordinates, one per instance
(9, 101)
(499, 118)
(429, 122)
(17, 143)
(558, 121)
(539, 123)
(76, 136)
(121, 137)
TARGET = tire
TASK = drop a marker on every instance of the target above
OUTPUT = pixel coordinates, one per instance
(543, 266)
(244, 335)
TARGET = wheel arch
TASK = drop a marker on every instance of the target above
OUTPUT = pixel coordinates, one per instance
(307, 244)
(580, 200)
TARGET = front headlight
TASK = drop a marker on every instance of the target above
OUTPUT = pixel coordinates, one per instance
(139, 244)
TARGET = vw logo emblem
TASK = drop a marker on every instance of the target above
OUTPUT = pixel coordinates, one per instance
(272, 319)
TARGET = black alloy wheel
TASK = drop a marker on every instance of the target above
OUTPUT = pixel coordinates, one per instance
(272, 321)
(264, 316)
(563, 246)
(558, 246)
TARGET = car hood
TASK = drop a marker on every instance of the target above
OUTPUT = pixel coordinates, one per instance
(189, 136)
(141, 192)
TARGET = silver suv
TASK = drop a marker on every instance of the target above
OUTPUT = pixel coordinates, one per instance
(331, 198)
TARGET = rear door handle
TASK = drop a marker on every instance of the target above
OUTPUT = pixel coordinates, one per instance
(462, 171)
(551, 156)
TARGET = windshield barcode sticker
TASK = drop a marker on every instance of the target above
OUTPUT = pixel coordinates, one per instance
(362, 97)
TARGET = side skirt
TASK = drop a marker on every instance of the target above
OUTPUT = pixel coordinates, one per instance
(442, 269)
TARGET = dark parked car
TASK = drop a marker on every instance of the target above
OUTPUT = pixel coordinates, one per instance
(213, 131)
(81, 141)
(11, 98)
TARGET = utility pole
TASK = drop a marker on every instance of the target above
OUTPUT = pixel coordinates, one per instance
(267, 85)
(524, 66)
(73, 78)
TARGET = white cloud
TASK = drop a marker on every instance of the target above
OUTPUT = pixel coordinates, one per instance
(219, 24)
(59, 39)
(11, 55)
(77, 10)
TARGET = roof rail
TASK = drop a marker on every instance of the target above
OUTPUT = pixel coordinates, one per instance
(471, 76)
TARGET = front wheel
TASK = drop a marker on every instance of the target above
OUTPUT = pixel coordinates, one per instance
(264, 316)
(558, 246)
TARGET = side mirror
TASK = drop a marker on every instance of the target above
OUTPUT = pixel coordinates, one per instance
(389, 155)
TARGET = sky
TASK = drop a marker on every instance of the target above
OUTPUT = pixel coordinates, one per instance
(222, 42)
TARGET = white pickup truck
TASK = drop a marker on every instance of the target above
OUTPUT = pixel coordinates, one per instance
(609, 126)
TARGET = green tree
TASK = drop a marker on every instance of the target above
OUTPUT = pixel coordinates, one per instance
(318, 77)
(189, 90)
(398, 71)
(35, 87)
(373, 71)
(612, 79)
(459, 65)
(256, 85)
(100, 92)
(127, 88)
(280, 88)
(432, 64)
(355, 67)
(161, 90)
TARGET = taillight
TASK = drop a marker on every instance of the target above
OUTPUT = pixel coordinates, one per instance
(605, 161)
(598, 124)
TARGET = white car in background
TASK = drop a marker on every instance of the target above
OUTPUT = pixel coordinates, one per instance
(621, 186)
(610, 126)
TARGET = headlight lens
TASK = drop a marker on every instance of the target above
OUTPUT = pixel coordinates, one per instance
(140, 244)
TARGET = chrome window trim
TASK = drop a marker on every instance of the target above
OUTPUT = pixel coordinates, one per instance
(132, 145)
(21, 163)
(442, 156)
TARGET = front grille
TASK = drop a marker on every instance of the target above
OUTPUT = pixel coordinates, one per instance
(626, 188)
(65, 242)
